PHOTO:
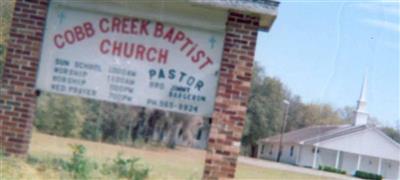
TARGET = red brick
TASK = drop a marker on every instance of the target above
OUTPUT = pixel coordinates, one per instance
(22, 59)
(232, 96)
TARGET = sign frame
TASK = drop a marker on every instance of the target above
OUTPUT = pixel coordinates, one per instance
(18, 93)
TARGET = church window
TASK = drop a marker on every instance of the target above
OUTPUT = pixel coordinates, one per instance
(291, 150)
(198, 137)
(270, 151)
(180, 132)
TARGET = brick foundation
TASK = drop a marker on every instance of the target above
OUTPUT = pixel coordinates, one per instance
(232, 96)
(17, 88)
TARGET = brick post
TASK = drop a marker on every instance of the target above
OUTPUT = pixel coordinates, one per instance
(17, 88)
(232, 96)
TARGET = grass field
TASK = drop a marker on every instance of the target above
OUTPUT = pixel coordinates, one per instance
(182, 163)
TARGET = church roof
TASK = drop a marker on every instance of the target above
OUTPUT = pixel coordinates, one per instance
(314, 134)
(266, 9)
(363, 95)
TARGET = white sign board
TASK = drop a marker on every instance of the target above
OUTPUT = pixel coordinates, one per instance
(130, 60)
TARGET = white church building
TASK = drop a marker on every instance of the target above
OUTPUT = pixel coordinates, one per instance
(359, 146)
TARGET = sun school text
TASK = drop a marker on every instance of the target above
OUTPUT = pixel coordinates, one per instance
(130, 50)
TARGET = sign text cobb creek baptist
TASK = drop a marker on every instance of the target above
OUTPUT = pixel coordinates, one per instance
(130, 60)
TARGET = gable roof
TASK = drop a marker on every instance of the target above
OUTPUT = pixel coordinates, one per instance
(314, 134)
(347, 138)
(369, 142)
(341, 131)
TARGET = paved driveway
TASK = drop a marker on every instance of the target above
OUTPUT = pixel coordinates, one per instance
(292, 168)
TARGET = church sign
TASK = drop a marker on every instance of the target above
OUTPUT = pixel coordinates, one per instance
(130, 60)
(188, 56)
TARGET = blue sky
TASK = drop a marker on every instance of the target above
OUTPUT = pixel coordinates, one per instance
(321, 51)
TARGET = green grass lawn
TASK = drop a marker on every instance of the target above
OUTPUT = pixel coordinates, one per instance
(182, 163)
(252, 172)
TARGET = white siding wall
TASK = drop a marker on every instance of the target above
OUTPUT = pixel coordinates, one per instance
(203, 141)
(326, 157)
(287, 157)
(270, 151)
(369, 164)
(306, 156)
(349, 162)
(390, 169)
(368, 142)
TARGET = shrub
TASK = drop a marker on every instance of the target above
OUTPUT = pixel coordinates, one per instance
(126, 168)
(367, 175)
(2, 153)
(79, 165)
(12, 168)
(331, 169)
(91, 131)
(59, 115)
(49, 167)
(32, 160)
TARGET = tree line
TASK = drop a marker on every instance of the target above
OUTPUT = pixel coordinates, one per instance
(266, 110)
(118, 123)
(111, 122)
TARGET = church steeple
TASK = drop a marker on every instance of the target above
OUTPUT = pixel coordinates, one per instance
(362, 102)
(361, 116)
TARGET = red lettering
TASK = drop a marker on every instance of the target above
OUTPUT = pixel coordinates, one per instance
(125, 25)
(76, 34)
(103, 43)
(188, 42)
(79, 33)
(115, 24)
(200, 54)
(103, 25)
(140, 49)
(128, 52)
(208, 61)
(69, 36)
(131, 51)
(150, 51)
(180, 36)
(117, 46)
(163, 56)
(89, 30)
(58, 44)
(158, 30)
(133, 26)
(168, 35)
(143, 27)
(191, 50)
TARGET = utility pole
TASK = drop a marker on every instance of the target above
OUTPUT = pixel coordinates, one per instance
(283, 127)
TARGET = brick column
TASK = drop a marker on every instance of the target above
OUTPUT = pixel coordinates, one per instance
(232, 96)
(17, 88)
